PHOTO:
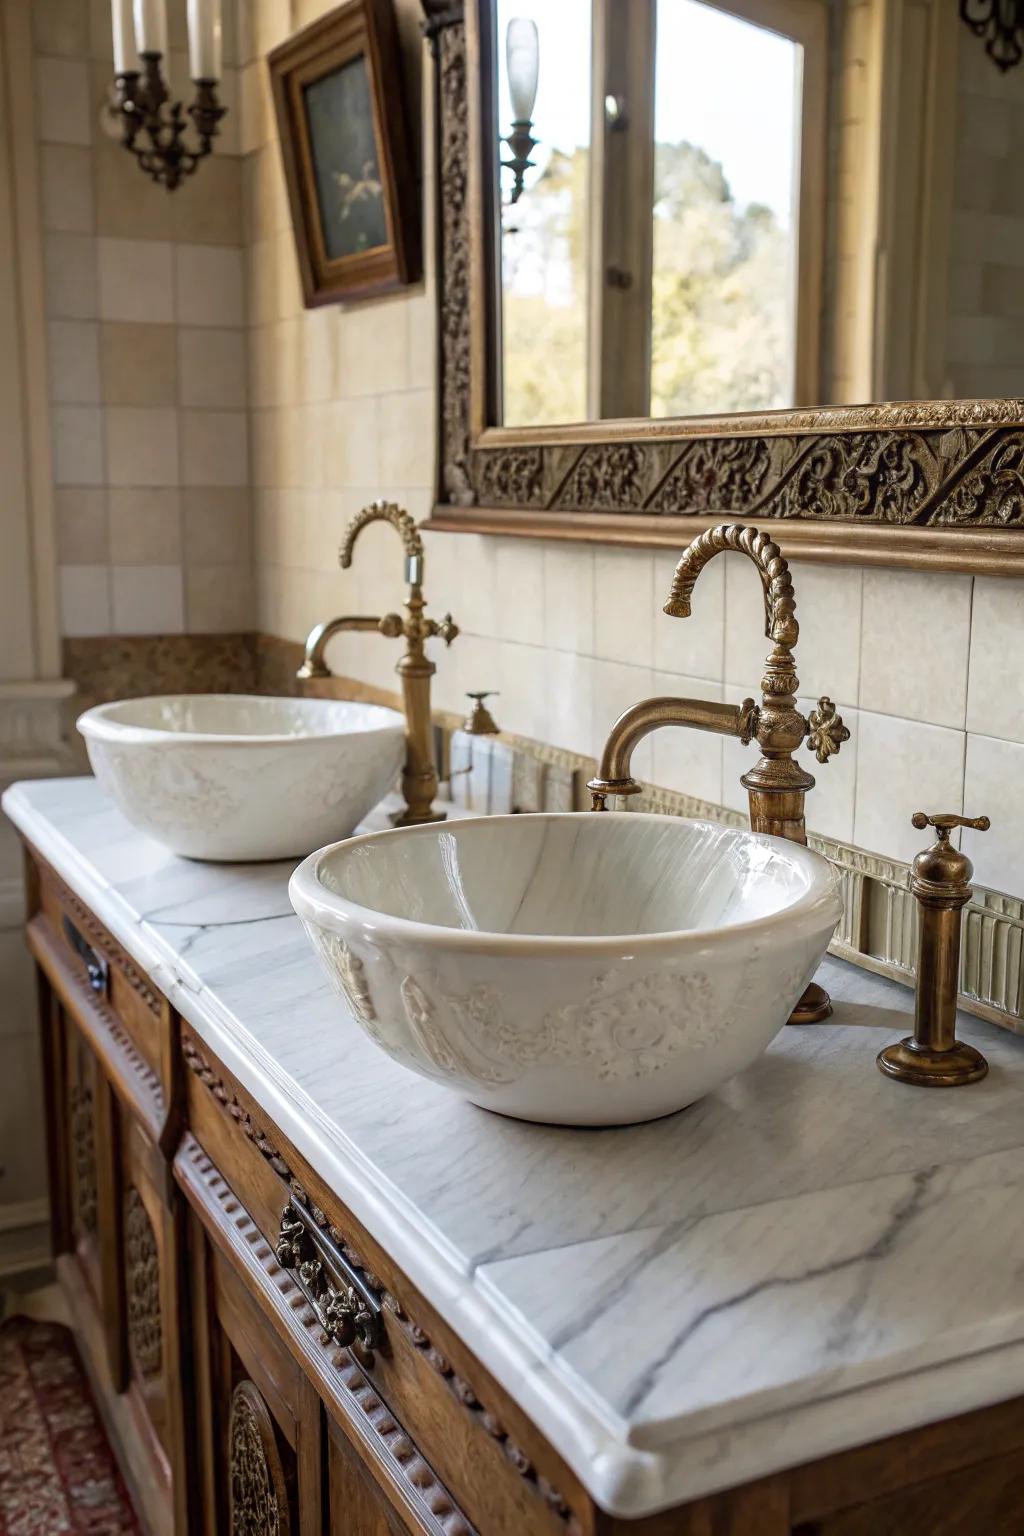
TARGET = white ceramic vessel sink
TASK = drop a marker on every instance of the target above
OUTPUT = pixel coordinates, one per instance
(244, 776)
(575, 969)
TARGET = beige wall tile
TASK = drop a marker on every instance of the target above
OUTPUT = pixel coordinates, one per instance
(60, 26)
(353, 449)
(129, 204)
(315, 362)
(85, 600)
(995, 694)
(213, 367)
(831, 804)
(903, 766)
(689, 762)
(219, 599)
(63, 101)
(421, 319)
(218, 525)
(207, 210)
(138, 363)
(616, 687)
(272, 23)
(74, 362)
(568, 700)
(66, 189)
(519, 572)
(209, 287)
(993, 776)
(135, 280)
(569, 597)
(406, 424)
(145, 526)
(461, 575)
(256, 109)
(828, 608)
(215, 448)
(693, 647)
(69, 263)
(148, 600)
(142, 445)
(81, 514)
(77, 445)
(373, 349)
(914, 645)
(624, 605)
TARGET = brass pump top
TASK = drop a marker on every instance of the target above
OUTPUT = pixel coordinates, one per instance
(942, 864)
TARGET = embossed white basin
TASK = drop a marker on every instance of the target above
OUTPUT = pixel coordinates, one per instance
(244, 776)
(576, 969)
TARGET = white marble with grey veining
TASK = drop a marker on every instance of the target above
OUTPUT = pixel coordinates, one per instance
(809, 1258)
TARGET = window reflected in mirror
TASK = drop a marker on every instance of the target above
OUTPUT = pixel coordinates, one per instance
(655, 157)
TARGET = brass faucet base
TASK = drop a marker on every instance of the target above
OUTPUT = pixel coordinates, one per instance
(814, 1006)
(408, 818)
(909, 1062)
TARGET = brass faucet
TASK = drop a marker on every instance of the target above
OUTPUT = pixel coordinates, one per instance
(932, 1057)
(776, 785)
(419, 776)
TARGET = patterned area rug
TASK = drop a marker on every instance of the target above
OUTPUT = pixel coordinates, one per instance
(57, 1471)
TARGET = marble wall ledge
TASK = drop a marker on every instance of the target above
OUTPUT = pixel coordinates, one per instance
(679, 1306)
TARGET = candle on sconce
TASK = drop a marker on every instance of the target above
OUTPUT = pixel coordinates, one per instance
(151, 26)
(126, 55)
(204, 39)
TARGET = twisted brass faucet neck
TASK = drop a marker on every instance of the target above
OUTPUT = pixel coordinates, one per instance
(780, 623)
(404, 526)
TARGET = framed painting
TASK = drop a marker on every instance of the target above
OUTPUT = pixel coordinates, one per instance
(345, 144)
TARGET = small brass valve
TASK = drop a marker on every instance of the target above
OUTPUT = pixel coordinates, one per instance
(941, 881)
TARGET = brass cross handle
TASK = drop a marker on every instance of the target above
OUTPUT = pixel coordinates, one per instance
(827, 732)
(446, 628)
(944, 824)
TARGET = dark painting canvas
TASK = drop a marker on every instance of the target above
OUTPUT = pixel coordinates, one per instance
(345, 162)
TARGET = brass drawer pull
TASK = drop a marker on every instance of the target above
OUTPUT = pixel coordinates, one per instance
(96, 968)
(346, 1309)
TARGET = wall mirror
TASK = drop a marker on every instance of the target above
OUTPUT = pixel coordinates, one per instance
(706, 258)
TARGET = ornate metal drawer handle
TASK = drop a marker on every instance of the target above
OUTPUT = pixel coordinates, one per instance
(346, 1309)
(96, 968)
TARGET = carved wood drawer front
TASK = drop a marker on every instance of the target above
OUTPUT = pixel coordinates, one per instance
(105, 971)
(387, 1369)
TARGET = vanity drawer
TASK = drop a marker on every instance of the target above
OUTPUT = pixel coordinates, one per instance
(105, 971)
(417, 1393)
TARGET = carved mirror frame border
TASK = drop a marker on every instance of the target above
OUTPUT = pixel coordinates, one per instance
(924, 484)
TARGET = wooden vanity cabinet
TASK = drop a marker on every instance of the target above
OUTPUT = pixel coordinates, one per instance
(180, 1217)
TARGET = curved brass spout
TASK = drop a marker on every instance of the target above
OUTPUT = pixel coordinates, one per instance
(614, 777)
(318, 639)
(419, 776)
(776, 785)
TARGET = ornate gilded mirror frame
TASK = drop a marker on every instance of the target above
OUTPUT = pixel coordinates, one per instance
(927, 484)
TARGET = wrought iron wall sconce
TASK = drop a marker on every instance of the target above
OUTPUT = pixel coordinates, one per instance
(522, 53)
(152, 130)
(1001, 23)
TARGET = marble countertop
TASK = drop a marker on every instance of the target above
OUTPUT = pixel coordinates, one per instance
(810, 1258)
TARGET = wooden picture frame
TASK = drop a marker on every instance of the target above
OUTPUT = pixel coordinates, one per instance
(337, 87)
(916, 483)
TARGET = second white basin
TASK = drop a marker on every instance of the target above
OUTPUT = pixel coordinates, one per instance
(575, 969)
(244, 776)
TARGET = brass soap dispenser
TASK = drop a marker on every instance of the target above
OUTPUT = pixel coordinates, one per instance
(941, 881)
